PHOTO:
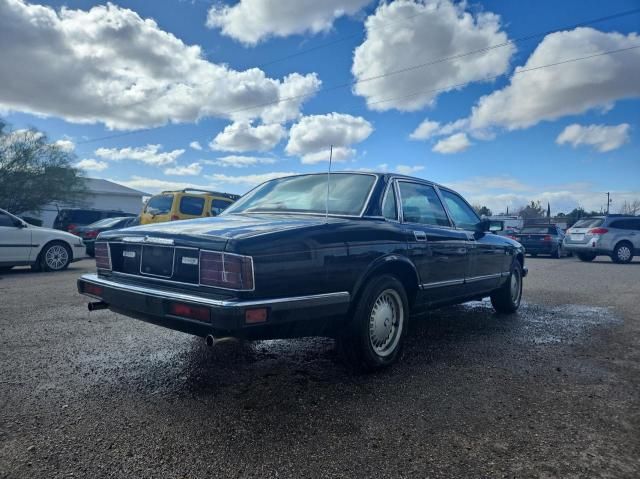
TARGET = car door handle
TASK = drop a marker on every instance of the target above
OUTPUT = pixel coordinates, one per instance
(420, 235)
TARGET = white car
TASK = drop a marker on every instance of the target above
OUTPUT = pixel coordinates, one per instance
(42, 248)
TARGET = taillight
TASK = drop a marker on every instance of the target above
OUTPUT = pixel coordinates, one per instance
(91, 234)
(226, 270)
(598, 231)
(103, 256)
(70, 228)
(547, 238)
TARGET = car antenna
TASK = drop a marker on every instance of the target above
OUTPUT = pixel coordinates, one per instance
(326, 203)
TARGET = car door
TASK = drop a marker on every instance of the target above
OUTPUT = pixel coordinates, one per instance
(438, 250)
(15, 240)
(488, 252)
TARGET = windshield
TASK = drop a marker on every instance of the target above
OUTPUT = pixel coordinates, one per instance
(589, 223)
(348, 193)
(159, 205)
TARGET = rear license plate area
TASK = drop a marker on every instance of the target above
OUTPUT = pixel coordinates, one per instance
(157, 261)
(577, 237)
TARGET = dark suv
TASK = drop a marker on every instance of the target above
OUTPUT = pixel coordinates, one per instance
(616, 236)
(69, 218)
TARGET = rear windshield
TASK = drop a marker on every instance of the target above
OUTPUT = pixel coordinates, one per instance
(589, 223)
(159, 205)
(218, 206)
(538, 230)
(107, 222)
(84, 217)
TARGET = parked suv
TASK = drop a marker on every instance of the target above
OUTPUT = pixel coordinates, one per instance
(617, 236)
(185, 204)
(70, 218)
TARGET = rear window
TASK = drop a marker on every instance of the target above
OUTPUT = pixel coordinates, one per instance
(218, 206)
(538, 230)
(589, 223)
(191, 205)
(159, 205)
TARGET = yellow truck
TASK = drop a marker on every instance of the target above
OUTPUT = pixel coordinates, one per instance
(185, 204)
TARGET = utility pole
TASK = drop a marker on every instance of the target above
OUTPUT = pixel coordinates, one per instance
(608, 201)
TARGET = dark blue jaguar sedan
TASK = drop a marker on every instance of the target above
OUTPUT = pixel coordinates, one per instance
(347, 255)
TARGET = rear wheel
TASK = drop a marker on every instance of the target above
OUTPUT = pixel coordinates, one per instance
(586, 257)
(622, 253)
(506, 300)
(374, 337)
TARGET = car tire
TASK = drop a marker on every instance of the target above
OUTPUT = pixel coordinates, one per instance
(586, 257)
(4, 269)
(55, 256)
(374, 337)
(622, 253)
(506, 299)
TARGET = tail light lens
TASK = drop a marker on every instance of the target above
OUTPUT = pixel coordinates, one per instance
(547, 238)
(226, 270)
(91, 234)
(103, 256)
(598, 231)
(70, 228)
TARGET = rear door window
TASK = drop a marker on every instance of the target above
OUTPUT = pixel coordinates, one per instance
(218, 206)
(191, 205)
(159, 205)
(420, 204)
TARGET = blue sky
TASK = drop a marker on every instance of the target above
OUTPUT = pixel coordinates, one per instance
(563, 134)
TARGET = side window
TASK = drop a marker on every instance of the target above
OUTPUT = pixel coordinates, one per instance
(6, 220)
(389, 205)
(218, 206)
(159, 205)
(191, 205)
(420, 204)
(618, 224)
(461, 213)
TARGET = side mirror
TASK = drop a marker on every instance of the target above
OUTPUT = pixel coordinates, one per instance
(483, 226)
(21, 224)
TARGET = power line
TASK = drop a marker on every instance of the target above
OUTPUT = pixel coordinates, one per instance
(434, 90)
(384, 75)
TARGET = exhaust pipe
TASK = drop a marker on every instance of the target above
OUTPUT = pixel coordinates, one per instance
(211, 341)
(97, 305)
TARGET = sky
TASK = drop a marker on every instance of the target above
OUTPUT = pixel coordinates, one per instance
(507, 102)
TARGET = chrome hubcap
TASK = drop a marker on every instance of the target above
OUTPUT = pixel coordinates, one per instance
(385, 322)
(515, 286)
(624, 253)
(56, 257)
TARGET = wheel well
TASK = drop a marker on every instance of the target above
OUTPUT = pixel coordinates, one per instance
(48, 243)
(401, 270)
(520, 257)
(625, 242)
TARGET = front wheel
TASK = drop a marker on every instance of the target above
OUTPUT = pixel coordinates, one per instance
(55, 257)
(506, 300)
(374, 337)
(622, 253)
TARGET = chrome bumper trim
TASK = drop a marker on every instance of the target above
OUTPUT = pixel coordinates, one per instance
(312, 300)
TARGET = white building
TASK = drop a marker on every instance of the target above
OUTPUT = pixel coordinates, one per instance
(102, 195)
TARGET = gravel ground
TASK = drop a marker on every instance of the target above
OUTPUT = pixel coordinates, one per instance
(553, 391)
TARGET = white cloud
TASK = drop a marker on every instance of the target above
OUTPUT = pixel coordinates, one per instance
(90, 164)
(188, 170)
(404, 33)
(249, 180)
(109, 65)
(250, 21)
(153, 185)
(455, 143)
(567, 89)
(66, 145)
(603, 138)
(242, 136)
(240, 161)
(312, 136)
(425, 130)
(150, 154)
(195, 145)
(408, 170)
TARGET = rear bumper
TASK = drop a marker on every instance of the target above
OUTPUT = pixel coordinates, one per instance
(293, 316)
(540, 249)
(587, 248)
